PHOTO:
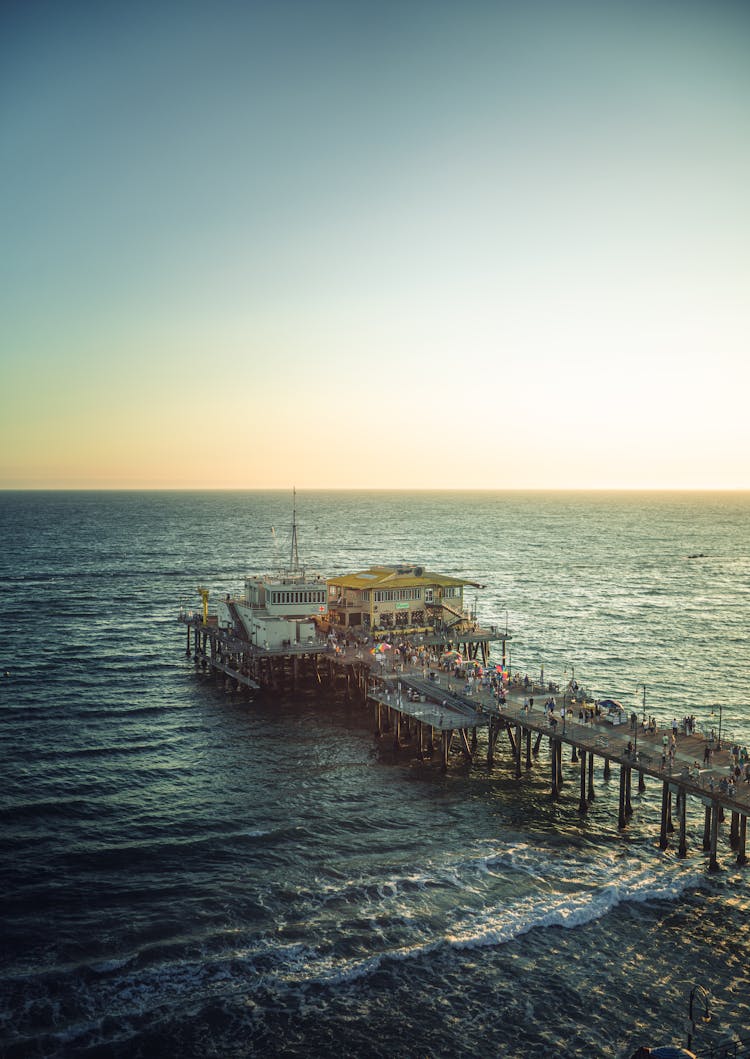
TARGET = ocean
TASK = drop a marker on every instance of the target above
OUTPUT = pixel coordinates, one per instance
(191, 872)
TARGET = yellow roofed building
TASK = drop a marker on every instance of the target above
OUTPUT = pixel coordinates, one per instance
(401, 598)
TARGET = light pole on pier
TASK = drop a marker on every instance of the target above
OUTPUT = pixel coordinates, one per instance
(644, 704)
(718, 707)
(643, 719)
(568, 693)
(634, 717)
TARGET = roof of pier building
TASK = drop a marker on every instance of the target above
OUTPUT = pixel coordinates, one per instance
(401, 576)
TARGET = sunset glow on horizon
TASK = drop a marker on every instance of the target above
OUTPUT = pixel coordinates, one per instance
(375, 246)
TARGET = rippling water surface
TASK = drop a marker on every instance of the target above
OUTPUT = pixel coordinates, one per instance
(188, 873)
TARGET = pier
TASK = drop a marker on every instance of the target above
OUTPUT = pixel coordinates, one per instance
(631, 749)
(428, 712)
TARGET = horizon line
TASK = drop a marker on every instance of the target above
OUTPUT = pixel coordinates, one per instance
(374, 489)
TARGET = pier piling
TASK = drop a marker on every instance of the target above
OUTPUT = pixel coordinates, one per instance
(583, 805)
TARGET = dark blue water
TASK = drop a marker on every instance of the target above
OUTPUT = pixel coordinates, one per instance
(187, 872)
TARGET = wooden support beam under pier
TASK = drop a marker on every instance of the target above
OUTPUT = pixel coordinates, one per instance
(465, 745)
(556, 755)
(707, 828)
(734, 830)
(665, 799)
(494, 731)
(713, 863)
(682, 813)
(741, 847)
(583, 805)
(446, 739)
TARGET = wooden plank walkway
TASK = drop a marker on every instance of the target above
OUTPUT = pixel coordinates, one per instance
(447, 706)
(447, 712)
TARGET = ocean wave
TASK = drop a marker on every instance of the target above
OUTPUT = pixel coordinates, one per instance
(167, 975)
(502, 924)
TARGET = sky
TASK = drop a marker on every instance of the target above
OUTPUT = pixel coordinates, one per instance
(375, 245)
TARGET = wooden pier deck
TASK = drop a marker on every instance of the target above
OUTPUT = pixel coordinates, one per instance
(597, 736)
(439, 702)
(430, 710)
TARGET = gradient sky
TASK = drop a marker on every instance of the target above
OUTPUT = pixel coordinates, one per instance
(255, 245)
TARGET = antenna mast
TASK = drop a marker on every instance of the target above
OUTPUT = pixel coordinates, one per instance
(294, 560)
